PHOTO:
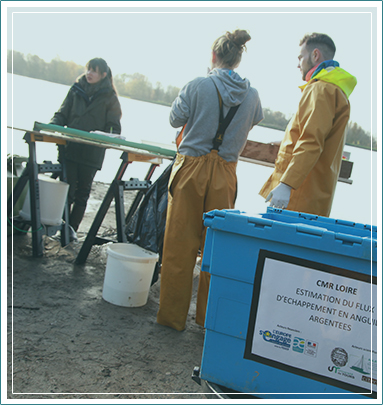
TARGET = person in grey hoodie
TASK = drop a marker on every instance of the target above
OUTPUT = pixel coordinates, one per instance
(203, 177)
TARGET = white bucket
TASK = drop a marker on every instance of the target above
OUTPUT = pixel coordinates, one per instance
(53, 194)
(128, 275)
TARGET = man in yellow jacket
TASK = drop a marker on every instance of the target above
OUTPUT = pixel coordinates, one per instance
(310, 155)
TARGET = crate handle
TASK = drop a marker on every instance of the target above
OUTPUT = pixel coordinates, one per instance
(310, 229)
(348, 239)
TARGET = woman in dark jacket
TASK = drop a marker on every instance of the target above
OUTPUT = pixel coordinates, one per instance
(90, 105)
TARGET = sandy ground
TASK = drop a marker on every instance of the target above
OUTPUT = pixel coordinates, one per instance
(66, 342)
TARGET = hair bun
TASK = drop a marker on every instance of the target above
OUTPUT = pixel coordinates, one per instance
(229, 48)
(239, 38)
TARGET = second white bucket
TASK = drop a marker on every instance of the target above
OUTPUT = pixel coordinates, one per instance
(53, 194)
(128, 275)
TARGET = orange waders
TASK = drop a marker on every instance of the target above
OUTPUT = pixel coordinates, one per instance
(196, 185)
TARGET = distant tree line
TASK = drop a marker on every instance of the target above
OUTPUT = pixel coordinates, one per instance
(56, 71)
(274, 119)
(137, 86)
(355, 135)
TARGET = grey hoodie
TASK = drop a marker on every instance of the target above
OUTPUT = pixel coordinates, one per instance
(197, 106)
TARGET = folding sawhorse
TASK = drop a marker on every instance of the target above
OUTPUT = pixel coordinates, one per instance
(30, 173)
(116, 191)
(133, 152)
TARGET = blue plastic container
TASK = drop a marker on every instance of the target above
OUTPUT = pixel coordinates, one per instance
(292, 305)
(331, 224)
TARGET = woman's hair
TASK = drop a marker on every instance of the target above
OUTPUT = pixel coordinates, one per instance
(102, 68)
(229, 48)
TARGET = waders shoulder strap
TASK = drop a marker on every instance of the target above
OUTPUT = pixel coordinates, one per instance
(223, 122)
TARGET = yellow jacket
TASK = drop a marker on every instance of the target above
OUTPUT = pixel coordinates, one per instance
(310, 154)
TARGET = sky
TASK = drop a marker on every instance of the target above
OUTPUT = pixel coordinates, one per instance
(171, 44)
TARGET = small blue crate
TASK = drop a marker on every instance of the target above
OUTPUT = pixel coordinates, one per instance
(292, 305)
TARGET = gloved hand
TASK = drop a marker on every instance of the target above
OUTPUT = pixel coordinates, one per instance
(279, 196)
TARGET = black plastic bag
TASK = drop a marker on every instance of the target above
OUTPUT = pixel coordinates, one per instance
(146, 227)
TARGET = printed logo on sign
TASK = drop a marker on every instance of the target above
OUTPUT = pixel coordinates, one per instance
(311, 348)
(277, 337)
(361, 366)
(339, 371)
(308, 347)
(339, 357)
(369, 380)
(298, 344)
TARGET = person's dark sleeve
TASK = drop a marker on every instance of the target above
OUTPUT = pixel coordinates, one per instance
(113, 117)
(61, 117)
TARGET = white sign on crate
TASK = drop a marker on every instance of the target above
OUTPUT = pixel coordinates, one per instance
(314, 320)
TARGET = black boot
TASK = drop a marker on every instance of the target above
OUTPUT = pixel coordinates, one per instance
(76, 216)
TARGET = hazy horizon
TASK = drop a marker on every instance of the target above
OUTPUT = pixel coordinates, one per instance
(288, 116)
(172, 44)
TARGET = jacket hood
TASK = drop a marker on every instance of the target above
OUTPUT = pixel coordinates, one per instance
(232, 87)
(102, 86)
(337, 76)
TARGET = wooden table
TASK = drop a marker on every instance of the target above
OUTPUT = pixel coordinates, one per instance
(132, 152)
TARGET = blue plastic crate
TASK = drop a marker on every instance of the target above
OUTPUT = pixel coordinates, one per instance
(288, 309)
(331, 224)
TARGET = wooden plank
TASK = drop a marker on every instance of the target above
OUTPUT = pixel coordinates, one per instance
(257, 152)
(39, 137)
(266, 152)
(58, 137)
(136, 157)
(96, 137)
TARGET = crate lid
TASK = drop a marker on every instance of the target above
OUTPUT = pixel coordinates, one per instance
(338, 225)
(313, 235)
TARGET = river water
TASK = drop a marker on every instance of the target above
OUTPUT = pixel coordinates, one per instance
(31, 100)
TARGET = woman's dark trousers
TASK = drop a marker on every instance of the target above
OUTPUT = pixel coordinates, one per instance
(80, 178)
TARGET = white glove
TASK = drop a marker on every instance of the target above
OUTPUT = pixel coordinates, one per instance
(280, 196)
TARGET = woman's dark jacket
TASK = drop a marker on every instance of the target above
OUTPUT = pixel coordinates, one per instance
(89, 108)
